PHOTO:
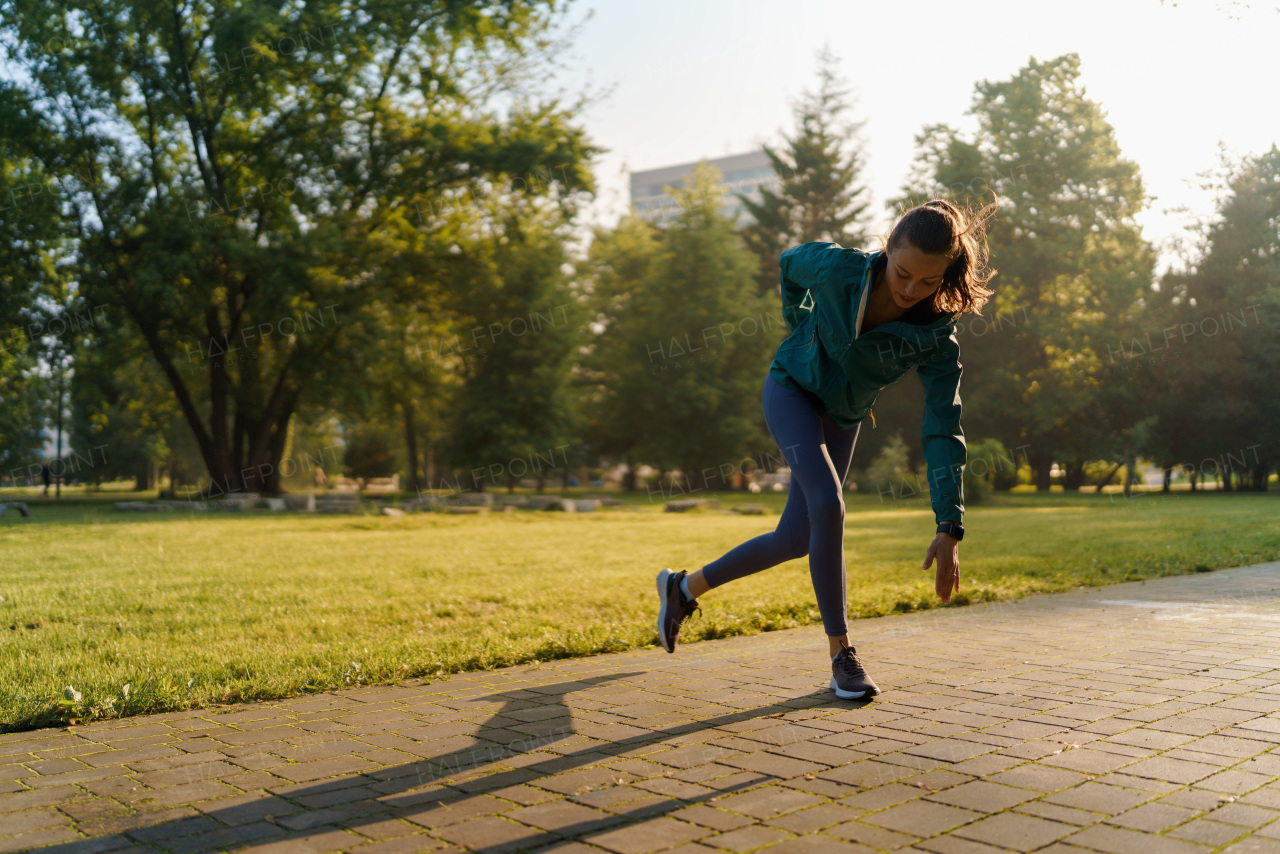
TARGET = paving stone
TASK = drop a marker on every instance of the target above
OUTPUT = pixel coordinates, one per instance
(748, 838)
(983, 796)
(563, 817)
(652, 835)
(921, 818)
(1253, 845)
(1015, 831)
(1038, 778)
(1207, 832)
(1153, 818)
(1170, 770)
(815, 818)
(1059, 813)
(1100, 798)
(813, 845)
(1117, 840)
(870, 835)
(37, 838)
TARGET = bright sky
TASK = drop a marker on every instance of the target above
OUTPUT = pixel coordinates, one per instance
(705, 78)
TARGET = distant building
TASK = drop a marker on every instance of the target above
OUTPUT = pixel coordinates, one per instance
(741, 173)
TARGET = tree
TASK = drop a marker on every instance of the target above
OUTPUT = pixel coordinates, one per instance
(822, 193)
(685, 340)
(31, 279)
(513, 415)
(617, 386)
(1216, 411)
(220, 169)
(1073, 268)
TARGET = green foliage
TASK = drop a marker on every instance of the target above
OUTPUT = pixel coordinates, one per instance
(1222, 318)
(514, 414)
(264, 187)
(684, 340)
(990, 464)
(22, 412)
(371, 449)
(889, 468)
(1073, 267)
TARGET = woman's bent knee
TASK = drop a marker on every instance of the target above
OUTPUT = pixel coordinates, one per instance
(827, 509)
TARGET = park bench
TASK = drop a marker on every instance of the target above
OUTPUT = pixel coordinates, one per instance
(685, 505)
(383, 484)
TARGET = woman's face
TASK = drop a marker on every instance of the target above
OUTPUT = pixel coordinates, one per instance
(912, 275)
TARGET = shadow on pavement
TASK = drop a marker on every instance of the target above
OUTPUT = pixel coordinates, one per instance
(419, 788)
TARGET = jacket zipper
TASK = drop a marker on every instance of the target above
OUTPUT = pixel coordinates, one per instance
(857, 323)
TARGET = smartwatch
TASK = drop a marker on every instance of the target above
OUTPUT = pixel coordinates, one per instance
(952, 528)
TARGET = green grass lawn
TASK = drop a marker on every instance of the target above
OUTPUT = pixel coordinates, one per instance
(191, 611)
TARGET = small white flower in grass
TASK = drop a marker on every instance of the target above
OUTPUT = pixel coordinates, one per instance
(71, 694)
(191, 681)
(124, 692)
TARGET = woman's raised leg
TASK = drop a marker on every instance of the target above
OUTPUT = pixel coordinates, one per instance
(812, 522)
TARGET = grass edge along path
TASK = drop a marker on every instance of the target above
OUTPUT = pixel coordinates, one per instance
(148, 607)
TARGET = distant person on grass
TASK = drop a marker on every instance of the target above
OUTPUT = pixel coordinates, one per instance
(859, 321)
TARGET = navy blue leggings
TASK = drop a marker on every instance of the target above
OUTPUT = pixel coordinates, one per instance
(812, 523)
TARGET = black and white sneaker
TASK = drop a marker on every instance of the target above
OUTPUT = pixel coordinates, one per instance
(848, 679)
(674, 607)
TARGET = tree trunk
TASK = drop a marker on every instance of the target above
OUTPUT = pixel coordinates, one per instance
(1129, 461)
(1106, 480)
(1044, 477)
(411, 444)
(1074, 476)
(629, 479)
(1261, 472)
(1166, 485)
(58, 480)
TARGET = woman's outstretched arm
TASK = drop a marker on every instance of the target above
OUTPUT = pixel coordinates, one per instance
(945, 455)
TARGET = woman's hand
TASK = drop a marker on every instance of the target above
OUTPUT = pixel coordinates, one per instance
(947, 579)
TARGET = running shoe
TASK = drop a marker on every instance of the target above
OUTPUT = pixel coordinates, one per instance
(675, 607)
(848, 679)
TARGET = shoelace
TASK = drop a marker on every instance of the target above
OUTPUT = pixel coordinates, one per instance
(690, 607)
(687, 607)
(848, 661)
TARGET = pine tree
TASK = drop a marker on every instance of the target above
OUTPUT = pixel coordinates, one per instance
(822, 195)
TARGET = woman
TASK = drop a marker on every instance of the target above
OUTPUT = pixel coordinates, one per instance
(859, 321)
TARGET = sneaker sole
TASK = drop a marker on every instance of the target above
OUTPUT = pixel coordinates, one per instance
(662, 609)
(850, 695)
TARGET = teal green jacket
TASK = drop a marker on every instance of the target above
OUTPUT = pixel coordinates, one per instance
(824, 295)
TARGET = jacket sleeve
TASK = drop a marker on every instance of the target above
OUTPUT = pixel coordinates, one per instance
(806, 268)
(942, 440)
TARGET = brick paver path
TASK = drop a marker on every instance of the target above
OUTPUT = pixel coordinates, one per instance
(1142, 717)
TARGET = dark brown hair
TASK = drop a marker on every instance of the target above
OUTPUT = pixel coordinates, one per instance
(939, 227)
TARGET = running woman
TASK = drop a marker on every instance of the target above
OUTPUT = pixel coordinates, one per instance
(858, 322)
